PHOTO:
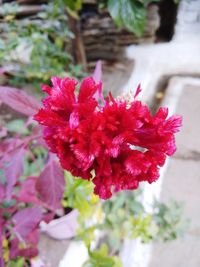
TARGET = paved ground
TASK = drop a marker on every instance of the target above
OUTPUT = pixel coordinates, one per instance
(182, 182)
(51, 251)
(181, 179)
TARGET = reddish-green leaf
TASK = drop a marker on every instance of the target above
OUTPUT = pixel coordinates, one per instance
(13, 168)
(51, 184)
(19, 100)
(27, 220)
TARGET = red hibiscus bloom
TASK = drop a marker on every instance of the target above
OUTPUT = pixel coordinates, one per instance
(119, 140)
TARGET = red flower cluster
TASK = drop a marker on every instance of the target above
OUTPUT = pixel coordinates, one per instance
(119, 140)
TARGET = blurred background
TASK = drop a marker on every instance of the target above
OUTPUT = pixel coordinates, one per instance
(154, 43)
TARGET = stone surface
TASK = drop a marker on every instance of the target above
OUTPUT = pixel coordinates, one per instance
(188, 105)
(115, 77)
(181, 56)
(104, 40)
(184, 253)
(182, 182)
(51, 250)
(181, 178)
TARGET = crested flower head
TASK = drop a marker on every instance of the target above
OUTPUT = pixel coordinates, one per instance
(116, 139)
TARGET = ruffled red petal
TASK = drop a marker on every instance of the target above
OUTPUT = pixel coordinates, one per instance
(122, 143)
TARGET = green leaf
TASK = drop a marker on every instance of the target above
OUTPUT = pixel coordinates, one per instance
(17, 263)
(8, 204)
(17, 126)
(119, 202)
(10, 9)
(101, 258)
(147, 2)
(48, 39)
(79, 195)
(136, 207)
(86, 234)
(128, 13)
(33, 166)
(3, 179)
(177, 1)
(74, 5)
(169, 221)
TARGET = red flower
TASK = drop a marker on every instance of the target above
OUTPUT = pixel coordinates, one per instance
(119, 140)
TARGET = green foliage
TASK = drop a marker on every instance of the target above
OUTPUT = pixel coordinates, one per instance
(3, 179)
(37, 48)
(122, 220)
(79, 195)
(76, 196)
(10, 9)
(17, 126)
(73, 6)
(8, 203)
(101, 258)
(128, 13)
(20, 262)
(147, 2)
(34, 161)
(169, 221)
(123, 216)
(126, 217)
